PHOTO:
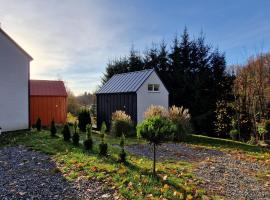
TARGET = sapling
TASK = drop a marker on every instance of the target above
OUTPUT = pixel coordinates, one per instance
(53, 129)
(76, 136)
(38, 124)
(155, 130)
(122, 155)
(88, 143)
(103, 147)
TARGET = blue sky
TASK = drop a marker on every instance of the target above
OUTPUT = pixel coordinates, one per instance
(73, 40)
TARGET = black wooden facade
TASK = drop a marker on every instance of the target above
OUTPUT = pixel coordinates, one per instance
(107, 103)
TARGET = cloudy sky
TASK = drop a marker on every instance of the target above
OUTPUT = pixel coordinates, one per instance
(74, 39)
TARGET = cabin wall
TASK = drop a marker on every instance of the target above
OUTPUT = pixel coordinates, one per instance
(146, 98)
(48, 108)
(109, 103)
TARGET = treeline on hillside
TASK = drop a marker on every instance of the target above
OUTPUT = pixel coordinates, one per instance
(75, 103)
(192, 70)
(247, 116)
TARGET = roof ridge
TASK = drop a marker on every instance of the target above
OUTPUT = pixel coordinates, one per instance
(152, 69)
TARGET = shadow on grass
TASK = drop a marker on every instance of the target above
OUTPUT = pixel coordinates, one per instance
(223, 143)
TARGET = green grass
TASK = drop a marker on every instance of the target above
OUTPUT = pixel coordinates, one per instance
(229, 145)
(133, 180)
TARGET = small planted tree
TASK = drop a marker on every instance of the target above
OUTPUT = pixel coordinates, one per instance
(122, 155)
(53, 129)
(66, 133)
(155, 130)
(76, 136)
(38, 124)
(103, 147)
(88, 143)
(84, 119)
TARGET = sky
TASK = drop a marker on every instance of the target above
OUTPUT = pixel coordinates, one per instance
(73, 40)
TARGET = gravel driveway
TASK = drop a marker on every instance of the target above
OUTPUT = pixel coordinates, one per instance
(27, 174)
(222, 174)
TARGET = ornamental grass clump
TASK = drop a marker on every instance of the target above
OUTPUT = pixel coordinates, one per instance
(66, 133)
(76, 136)
(153, 111)
(53, 129)
(155, 130)
(122, 124)
(88, 143)
(181, 118)
(103, 147)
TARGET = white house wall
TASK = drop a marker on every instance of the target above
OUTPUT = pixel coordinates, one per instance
(14, 66)
(146, 98)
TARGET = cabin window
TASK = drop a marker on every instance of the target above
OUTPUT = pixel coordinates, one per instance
(153, 87)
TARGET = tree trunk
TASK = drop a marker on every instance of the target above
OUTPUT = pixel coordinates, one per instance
(154, 163)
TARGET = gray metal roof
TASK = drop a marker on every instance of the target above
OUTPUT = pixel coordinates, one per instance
(126, 82)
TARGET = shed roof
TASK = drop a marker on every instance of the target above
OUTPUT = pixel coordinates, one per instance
(47, 88)
(125, 82)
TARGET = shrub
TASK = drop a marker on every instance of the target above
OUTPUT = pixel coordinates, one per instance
(103, 147)
(38, 124)
(121, 124)
(88, 143)
(76, 136)
(153, 111)
(66, 133)
(53, 129)
(84, 119)
(155, 129)
(181, 118)
(234, 133)
(122, 155)
(71, 119)
(261, 129)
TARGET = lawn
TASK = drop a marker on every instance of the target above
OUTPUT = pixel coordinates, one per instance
(133, 180)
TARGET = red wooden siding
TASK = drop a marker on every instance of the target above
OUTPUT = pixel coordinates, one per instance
(48, 108)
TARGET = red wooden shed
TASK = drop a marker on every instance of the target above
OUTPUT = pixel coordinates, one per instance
(48, 101)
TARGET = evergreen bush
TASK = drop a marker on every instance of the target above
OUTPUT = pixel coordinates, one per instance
(38, 124)
(53, 129)
(84, 119)
(76, 136)
(103, 147)
(122, 155)
(234, 134)
(66, 133)
(88, 143)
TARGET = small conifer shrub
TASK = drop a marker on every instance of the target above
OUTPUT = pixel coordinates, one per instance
(76, 136)
(38, 124)
(122, 155)
(84, 119)
(103, 147)
(88, 143)
(66, 133)
(53, 129)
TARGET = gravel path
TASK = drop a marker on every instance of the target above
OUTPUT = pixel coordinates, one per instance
(174, 151)
(222, 174)
(27, 174)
